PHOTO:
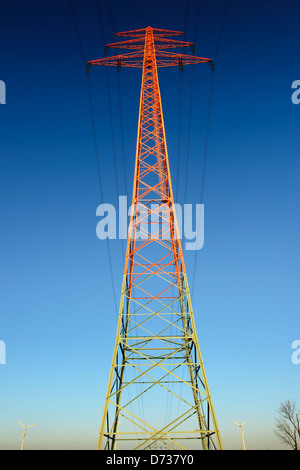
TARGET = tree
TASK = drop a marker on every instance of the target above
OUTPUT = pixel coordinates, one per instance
(287, 425)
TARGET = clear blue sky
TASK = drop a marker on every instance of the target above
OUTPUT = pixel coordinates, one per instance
(58, 319)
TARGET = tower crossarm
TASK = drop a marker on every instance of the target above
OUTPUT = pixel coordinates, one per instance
(156, 31)
(136, 46)
(139, 42)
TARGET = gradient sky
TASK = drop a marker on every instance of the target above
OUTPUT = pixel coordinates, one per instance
(57, 307)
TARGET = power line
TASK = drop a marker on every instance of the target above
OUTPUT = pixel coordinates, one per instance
(179, 134)
(190, 107)
(197, 20)
(111, 18)
(122, 132)
(97, 155)
(210, 99)
(109, 96)
(112, 24)
(186, 21)
(221, 30)
(186, 16)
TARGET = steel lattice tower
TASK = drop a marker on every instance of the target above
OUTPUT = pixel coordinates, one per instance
(157, 392)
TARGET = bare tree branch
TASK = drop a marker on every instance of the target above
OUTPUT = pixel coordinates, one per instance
(287, 425)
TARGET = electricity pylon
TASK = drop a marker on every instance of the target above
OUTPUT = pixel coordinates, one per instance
(157, 381)
(24, 433)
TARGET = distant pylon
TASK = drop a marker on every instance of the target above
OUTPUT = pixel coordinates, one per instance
(157, 382)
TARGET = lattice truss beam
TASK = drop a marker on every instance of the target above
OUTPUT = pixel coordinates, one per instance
(157, 393)
(137, 45)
